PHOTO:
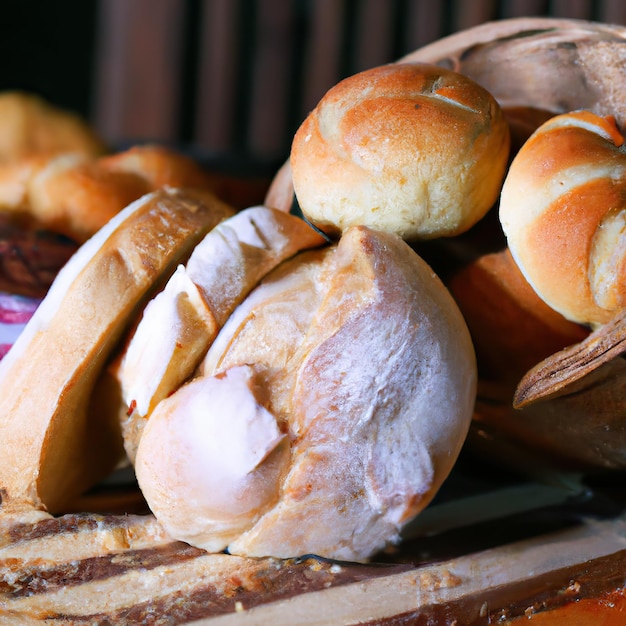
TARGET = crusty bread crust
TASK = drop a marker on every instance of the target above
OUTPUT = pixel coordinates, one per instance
(560, 203)
(412, 149)
(511, 326)
(75, 194)
(366, 364)
(180, 323)
(52, 448)
(29, 125)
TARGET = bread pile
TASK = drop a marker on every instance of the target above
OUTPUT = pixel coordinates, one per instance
(277, 385)
(283, 387)
(75, 195)
(560, 260)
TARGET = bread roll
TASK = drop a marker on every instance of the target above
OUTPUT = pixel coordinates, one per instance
(53, 448)
(511, 327)
(75, 195)
(562, 210)
(327, 413)
(411, 149)
(29, 126)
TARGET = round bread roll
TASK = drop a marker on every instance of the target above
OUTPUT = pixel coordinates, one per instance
(562, 210)
(29, 125)
(75, 195)
(511, 327)
(327, 413)
(411, 149)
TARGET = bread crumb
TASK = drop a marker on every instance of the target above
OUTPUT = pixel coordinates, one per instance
(438, 580)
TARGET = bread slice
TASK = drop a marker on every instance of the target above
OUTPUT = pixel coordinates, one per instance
(180, 323)
(52, 447)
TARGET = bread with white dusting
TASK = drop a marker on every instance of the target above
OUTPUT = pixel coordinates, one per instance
(354, 374)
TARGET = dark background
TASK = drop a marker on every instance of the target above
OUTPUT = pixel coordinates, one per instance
(48, 48)
(226, 76)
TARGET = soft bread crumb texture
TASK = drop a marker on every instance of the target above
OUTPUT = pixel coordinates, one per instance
(365, 364)
(412, 149)
(562, 210)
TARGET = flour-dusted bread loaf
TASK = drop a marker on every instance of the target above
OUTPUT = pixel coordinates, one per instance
(53, 447)
(562, 210)
(408, 148)
(327, 412)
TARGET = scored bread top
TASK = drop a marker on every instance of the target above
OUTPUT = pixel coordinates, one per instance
(412, 149)
(53, 449)
(562, 210)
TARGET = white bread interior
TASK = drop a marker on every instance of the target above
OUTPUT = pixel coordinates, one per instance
(179, 324)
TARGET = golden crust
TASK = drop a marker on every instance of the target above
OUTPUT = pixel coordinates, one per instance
(563, 191)
(511, 327)
(368, 369)
(75, 195)
(54, 446)
(158, 166)
(412, 149)
(29, 126)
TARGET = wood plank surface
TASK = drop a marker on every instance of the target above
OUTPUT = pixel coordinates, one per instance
(138, 69)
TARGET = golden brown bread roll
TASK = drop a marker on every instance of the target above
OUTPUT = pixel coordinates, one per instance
(562, 210)
(412, 149)
(327, 413)
(511, 327)
(30, 126)
(75, 195)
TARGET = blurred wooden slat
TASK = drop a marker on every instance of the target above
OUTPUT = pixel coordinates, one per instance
(524, 8)
(577, 9)
(468, 14)
(138, 69)
(217, 77)
(374, 31)
(272, 66)
(262, 65)
(322, 57)
(613, 12)
(424, 23)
